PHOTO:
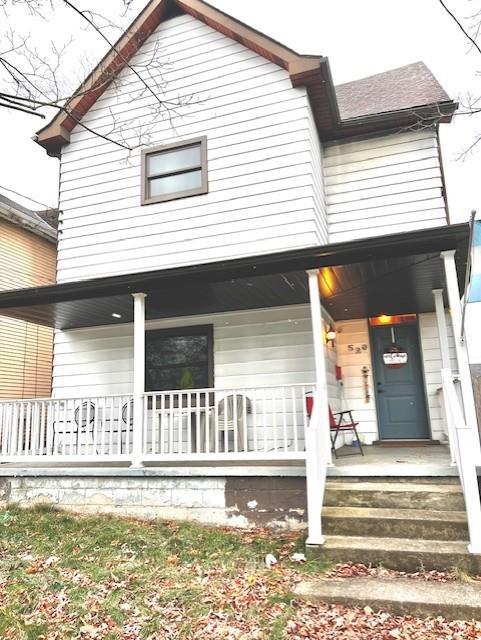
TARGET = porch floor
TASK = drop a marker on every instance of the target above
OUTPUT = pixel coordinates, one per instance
(377, 461)
(431, 460)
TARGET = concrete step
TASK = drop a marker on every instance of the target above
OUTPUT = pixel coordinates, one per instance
(395, 523)
(438, 480)
(399, 596)
(399, 495)
(402, 554)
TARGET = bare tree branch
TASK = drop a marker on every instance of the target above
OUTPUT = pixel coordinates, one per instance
(34, 79)
(460, 26)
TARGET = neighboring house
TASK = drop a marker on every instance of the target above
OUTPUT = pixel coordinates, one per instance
(190, 281)
(27, 259)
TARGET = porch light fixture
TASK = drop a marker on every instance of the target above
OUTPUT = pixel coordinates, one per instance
(116, 315)
(330, 335)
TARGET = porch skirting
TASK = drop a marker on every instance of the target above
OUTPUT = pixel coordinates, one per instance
(275, 502)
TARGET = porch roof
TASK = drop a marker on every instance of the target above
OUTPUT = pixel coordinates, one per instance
(388, 274)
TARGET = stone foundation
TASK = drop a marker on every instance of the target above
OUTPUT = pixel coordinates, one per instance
(277, 502)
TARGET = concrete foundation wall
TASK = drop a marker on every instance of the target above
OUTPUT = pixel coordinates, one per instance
(229, 501)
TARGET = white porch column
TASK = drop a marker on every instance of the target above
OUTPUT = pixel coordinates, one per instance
(445, 363)
(318, 444)
(461, 349)
(442, 328)
(139, 379)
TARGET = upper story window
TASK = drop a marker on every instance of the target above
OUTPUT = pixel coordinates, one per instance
(174, 171)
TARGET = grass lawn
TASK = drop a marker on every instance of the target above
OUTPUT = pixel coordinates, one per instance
(69, 577)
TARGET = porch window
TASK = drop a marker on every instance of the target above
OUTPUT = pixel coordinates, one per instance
(180, 358)
(174, 171)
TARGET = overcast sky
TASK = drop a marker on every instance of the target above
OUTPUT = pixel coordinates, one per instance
(360, 37)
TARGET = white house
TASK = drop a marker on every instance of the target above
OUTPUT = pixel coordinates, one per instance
(274, 237)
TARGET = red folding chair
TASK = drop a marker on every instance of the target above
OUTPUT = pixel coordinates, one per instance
(338, 423)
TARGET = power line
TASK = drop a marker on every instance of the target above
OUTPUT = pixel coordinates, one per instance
(21, 195)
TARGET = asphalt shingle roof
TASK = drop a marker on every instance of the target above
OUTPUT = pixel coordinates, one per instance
(403, 88)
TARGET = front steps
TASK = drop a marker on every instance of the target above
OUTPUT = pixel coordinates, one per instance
(396, 523)
(404, 524)
(399, 596)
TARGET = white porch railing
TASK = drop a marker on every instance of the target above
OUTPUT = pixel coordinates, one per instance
(464, 446)
(249, 423)
(74, 429)
(264, 423)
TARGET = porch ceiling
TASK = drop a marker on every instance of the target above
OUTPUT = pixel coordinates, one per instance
(389, 286)
(390, 274)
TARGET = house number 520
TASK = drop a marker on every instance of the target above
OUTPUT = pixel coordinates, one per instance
(356, 348)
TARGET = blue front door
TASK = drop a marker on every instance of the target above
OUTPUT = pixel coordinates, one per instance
(400, 397)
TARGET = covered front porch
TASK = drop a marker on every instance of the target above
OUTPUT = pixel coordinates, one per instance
(247, 342)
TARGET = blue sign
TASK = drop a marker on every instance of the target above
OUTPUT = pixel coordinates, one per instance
(474, 293)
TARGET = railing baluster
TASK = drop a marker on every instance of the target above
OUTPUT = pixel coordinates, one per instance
(294, 418)
(28, 427)
(6, 418)
(119, 425)
(198, 447)
(274, 417)
(11, 417)
(171, 423)
(284, 419)
(161, 419)
(207, 422)
(216, 423)
(35, 428)
(56, 434)
(180, 420)
(244, 423)
(3, 429)
(34, 446)
(102, 425)
(11, 427)
(145, 425)
(50, 444)
(189, 423)
(21, 428)
(225, 433)
(153, 432)
(75, 426)
(234, 420)
(95, 425)
(42, 435)
(111, 424)
(305, 419)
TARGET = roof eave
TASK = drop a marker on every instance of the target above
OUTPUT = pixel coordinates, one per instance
(439, 111)
(57, 133)
(18, 217)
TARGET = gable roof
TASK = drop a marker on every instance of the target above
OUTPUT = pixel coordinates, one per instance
(312, 72)
(406, 87)
(31, 220)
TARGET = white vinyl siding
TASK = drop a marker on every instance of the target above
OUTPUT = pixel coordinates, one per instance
(353, 396)
(383, 184)
(265, 184)
(431, 354)
(262, 347)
